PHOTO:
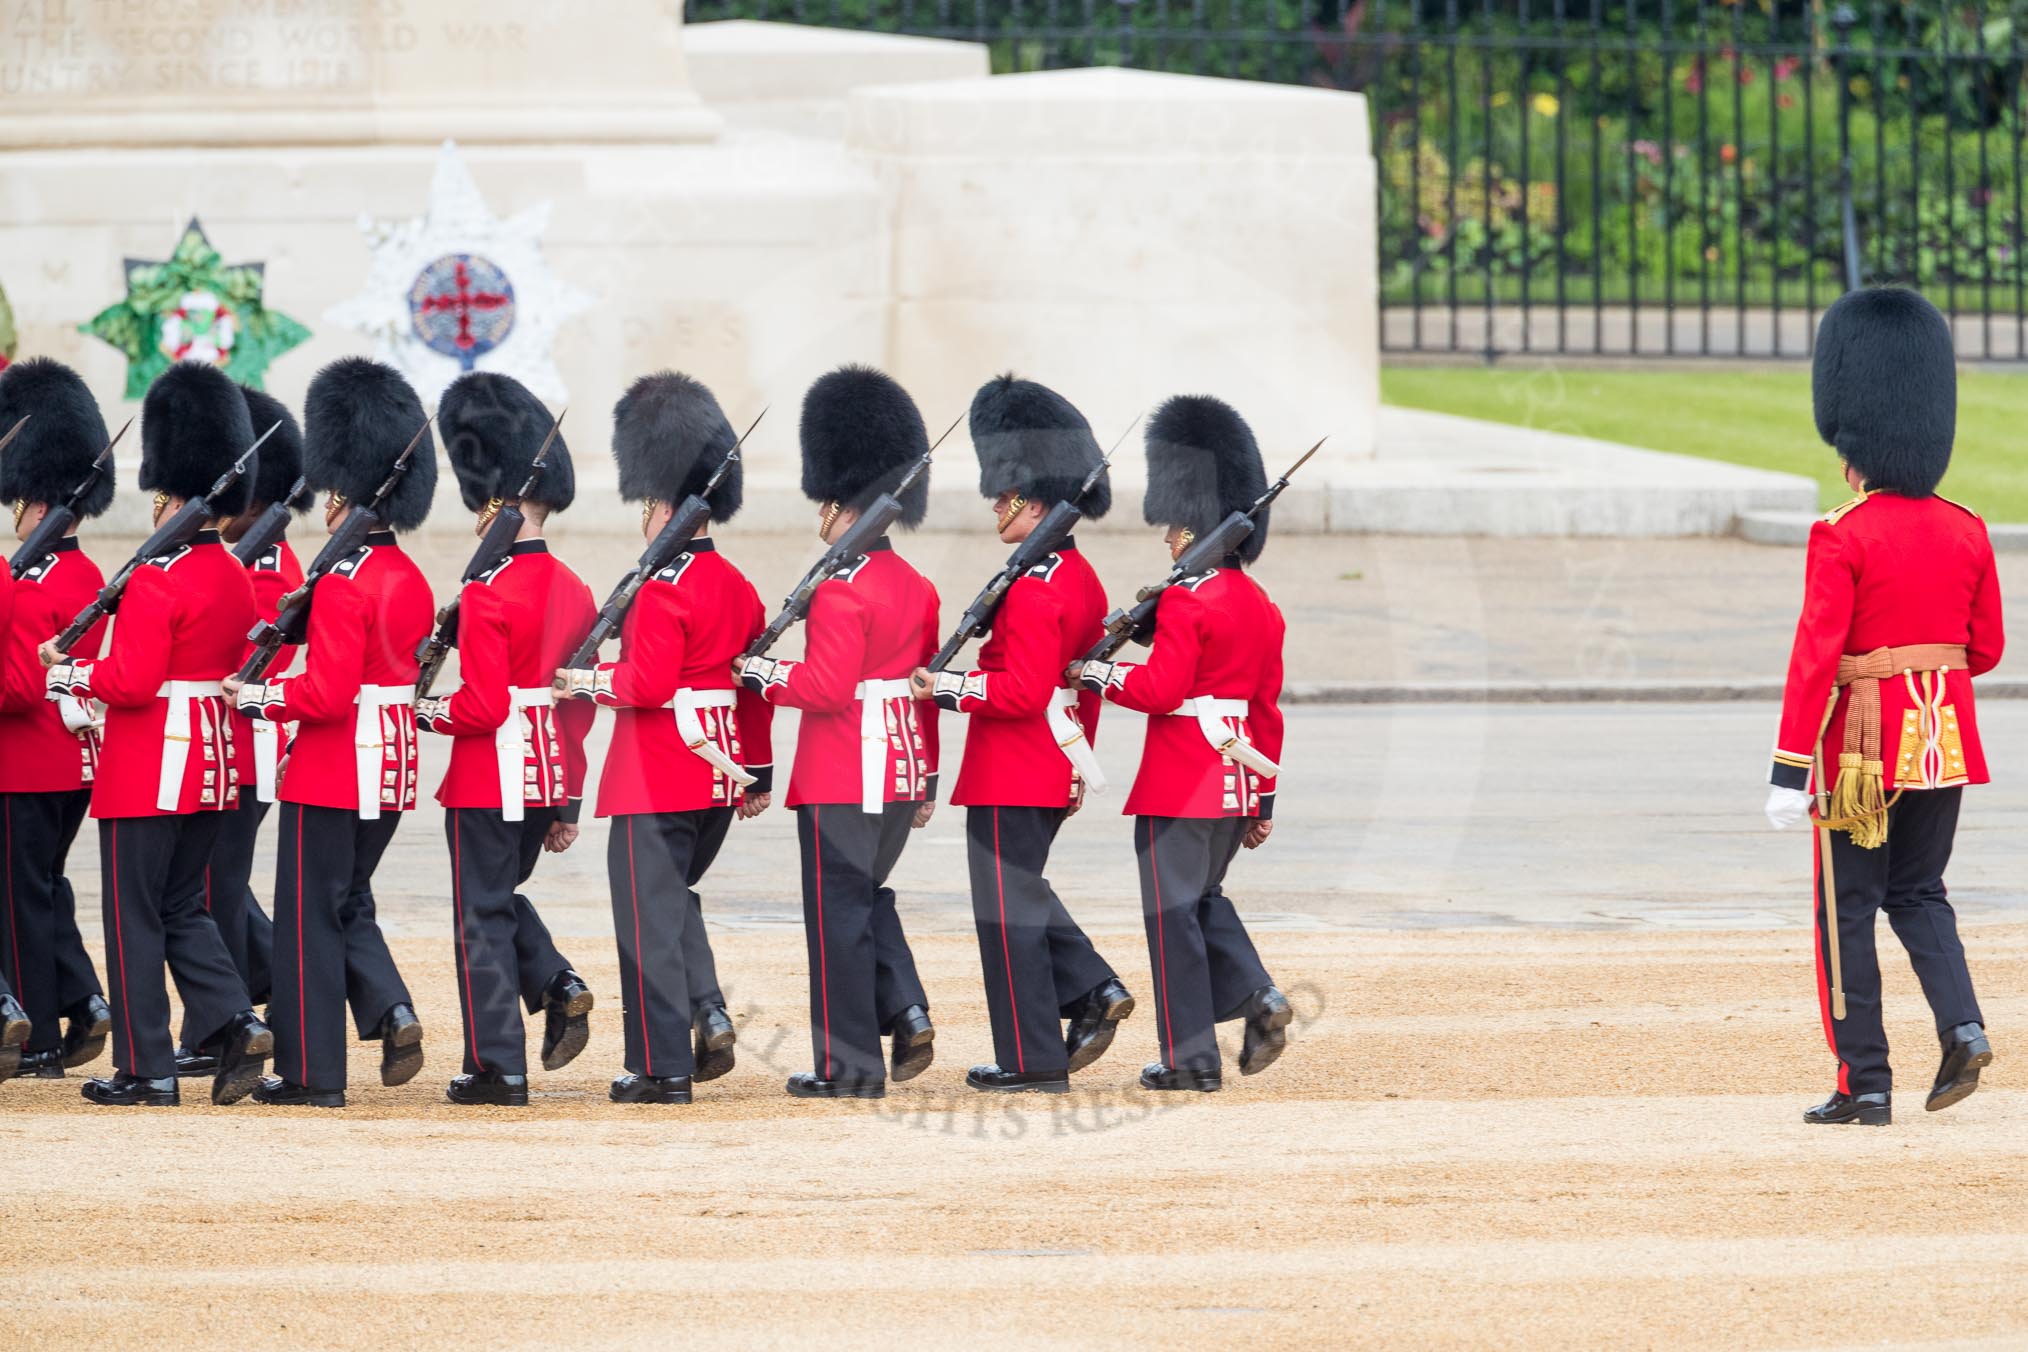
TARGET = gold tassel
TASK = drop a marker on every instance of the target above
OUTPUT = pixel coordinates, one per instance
(1860, 800)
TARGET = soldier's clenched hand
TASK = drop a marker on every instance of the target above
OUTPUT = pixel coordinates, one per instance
(1786, 807)
(1257, 832)
(753, 805)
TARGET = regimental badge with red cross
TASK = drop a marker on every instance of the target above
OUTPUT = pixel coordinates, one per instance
(462, 305)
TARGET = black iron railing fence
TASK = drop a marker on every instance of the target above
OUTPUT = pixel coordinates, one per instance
(1643, 177)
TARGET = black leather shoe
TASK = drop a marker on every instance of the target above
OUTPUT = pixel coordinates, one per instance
(1091, 1032)
(14, 1031)
(489, 1087)
(42, 1065)
(715, 1036)
(1155, 1075)
(806, 1084)
(277, 1092)
(993, 1080)
(650, 1089)
(401, 1053)
(914, 1044)
(131, 1091)
(243, 1059)
(1267, 1022)
(1965, 1053)
(196, 1065)
(1866, 1110)
(90, 1023)
(566, 1000)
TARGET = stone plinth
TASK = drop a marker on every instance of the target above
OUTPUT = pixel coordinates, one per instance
(1125, 235)
(180, 73)
(795, 78)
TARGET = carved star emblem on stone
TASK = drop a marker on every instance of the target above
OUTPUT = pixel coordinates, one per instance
(191, 306)
(458, 289)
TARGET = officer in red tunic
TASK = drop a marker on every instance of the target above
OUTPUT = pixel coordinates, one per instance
(1901, 609)
(1214, 673)
(689, 750)
(166, 777)
(1028, 758)
(352, 767)
(226, 889)
(866, 753)
(52, 747)
(517, 763)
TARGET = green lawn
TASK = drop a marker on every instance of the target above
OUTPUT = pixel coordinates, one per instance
(1748, 417)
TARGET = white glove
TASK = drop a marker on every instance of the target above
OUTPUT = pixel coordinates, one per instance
(77, 715)
(1786, 807)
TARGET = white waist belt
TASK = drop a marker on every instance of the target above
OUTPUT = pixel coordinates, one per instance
(691, 729)
(369, 741)
(1210, 711)
(511, 747)
(873, 698)
(1070, 739)
(176, 736)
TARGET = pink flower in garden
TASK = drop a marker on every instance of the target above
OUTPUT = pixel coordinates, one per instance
(1786, 67)
(1648, 151)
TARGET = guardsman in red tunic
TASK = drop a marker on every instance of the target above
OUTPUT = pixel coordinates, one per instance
(1028, 758)
(866, 753)
(1901, 609)
(517, 761)
(1213, 674)
(166, 776)
(690, 749)
(15, 1028)
(51, 747)
(353, 764)
(227, 890)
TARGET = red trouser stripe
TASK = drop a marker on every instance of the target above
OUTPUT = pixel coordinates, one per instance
(13, 929)
(1006, 958)
(464, 957)
(1817, 934)
(302, 977)
(1161, 951)
(120, 942)
(823, 964)
(640, 968)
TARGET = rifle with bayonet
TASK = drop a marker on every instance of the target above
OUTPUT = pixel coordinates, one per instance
(857, 539)
(291, 624)
(689, 518)
(59, 519)
(494, 546)
(1049, 533)
(268, 528)
(1136, 624)
(177, 532)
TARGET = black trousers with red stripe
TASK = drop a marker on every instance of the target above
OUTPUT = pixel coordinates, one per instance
(655, 861)
(153, 870)
(1904, 878)
(329, 951)
(226, 890)
(503, 949)
(862, 974)
(41, 951)
(1204, 961)
(1037, 962)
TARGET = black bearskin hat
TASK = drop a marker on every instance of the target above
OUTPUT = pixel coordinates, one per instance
(1203, 465)
(360, 416)
(669, 437)
(861, 433)
(1885, 386)
(279, 462)
(194, 424)
(55, 451)
(492, 426)
(1033, 441)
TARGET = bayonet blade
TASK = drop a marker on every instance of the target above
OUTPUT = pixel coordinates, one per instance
(15, 430)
